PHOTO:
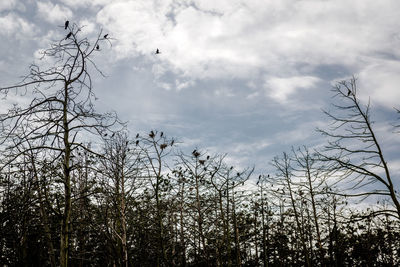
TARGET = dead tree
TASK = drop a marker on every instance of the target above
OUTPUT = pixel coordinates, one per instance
(354, 151)
(59, 115)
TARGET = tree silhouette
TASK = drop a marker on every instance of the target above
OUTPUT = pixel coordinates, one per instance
(354, 151)
(59, 117)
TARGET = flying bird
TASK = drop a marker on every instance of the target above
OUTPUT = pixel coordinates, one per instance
(66, 24)
(68, 35)
(158, 51)
(105, 36)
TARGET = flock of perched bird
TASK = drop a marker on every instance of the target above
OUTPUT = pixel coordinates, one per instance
(97, 46)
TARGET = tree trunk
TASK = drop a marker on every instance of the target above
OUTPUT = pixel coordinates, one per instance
(64, 240)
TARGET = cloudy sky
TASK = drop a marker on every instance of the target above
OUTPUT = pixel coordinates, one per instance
(243, 77)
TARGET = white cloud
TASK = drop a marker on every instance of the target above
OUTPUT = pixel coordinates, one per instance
(7, 4)
(381, 83)
(53, 13)
(224, 91)
(394, 166)
(75, 4)
(136, 25)
(280, 89)
(183, 84)
(243, 39)
(17, 27)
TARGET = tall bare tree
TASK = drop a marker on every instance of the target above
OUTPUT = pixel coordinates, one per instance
(60, 113)
(122, 168)
(354, 151)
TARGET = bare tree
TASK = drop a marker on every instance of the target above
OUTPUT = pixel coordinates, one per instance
(60, 115)
(155, 148)
(306, 165)
(122, 168)
(354, 151)
(285, 172)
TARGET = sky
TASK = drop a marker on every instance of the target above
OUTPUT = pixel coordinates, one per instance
(244, 77)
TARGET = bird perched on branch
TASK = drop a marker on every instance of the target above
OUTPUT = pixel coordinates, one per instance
(68, 35)
(195, 153)
(158, 51)
(105, 36)
(66, 24)
(97, 47)
(163, 146)
(151, 134)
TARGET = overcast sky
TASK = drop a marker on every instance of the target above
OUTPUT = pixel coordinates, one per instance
(243, 77)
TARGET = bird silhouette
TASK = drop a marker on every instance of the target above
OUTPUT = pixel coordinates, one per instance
(105, 36)
(195, 153)
(97, 47)
(68, 35)
(163, 146)
(66, 24)
(158, 51)
(348, 92)
(137, 142)
(161, 134)
(137, 135)
(151, 134)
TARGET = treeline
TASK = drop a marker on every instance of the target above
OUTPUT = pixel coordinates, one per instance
(76, 189)
(140, 204)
